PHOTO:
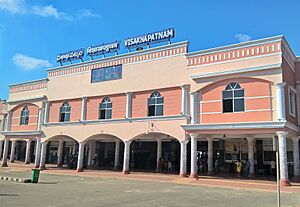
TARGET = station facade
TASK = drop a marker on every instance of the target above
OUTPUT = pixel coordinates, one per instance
(162, 109)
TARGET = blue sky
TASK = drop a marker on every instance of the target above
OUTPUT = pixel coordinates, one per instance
(32, 33)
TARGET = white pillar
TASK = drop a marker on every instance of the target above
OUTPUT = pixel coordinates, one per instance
(40, 120)
(280, 99)
(92, 146)
(296, 157)
(37, 153)
(117, 155)
(46, 112)
(12, 151)
(128, 105)
(60, 151)
(3, 122)
(83, 109)
(43, 156)
(251, 155)
(184, 99)
(210, 153)
(284, 177)
(195, 116)
(5, 153)
(8, 122)
(27, 153)
(80, 157)
(158, 154)
(126, 157)
(183, 144)
(1, 147)
(194, 166)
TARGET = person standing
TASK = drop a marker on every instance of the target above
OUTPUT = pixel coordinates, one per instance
(273, 167)
(238, 165)
(217, 167)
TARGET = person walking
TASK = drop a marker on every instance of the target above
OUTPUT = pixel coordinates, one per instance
(217, 167)
(273, 168)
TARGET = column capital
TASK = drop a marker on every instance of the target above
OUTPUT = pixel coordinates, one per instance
(185, 141)
(14, 141)
(193, 135)
(129, 93)
(82, 142)
(29, 140)
(280, 84)
(184, 86)
(249, 138)
(127, 141)
(84, 98)
(194, 93)
(209, 138)
(282, 133)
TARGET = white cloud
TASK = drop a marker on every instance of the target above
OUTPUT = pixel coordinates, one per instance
(88, 13)
(27, 63)
(46, 11)
(243, 37)
(22, 7)
(13, 6)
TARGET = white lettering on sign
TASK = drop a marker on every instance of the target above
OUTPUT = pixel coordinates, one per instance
(150, 38)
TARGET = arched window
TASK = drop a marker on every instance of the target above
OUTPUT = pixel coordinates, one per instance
(155, 104)
(233, 98)
(24, 116)
(65, 112)
(105, 109)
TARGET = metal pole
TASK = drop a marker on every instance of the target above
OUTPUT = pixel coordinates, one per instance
(278, 178)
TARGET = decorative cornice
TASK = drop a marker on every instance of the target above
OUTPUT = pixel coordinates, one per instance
(109, 121)
(21, 133)
(35, 98)
(29, 82)
(240, 70)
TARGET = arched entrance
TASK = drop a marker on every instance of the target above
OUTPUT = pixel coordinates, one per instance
(103, 151)
(62, 151)
(155, 152)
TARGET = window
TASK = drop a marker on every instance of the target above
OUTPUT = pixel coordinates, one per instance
(105, 109)
(107, 73)
(24, 116)
(292, 101)
(155, 104)
(233, 98)
(65, 112)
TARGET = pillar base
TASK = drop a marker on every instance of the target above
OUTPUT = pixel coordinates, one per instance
(183, 175)
(126, 172)
(43, 167)
(284, 183)
(36, 166)
(251, 175)
(60, 165)
(210, 172)
(4, 165)
(11, 161)
(193, 176)
(115, 168)
(27, 163)
(79, 170)
(297, 179)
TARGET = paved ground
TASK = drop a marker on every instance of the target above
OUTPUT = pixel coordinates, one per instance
(100, 189)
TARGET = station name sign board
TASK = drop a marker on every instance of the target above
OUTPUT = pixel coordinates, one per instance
(69, 56)
(150, 38)
(134, 42)
(103, 49)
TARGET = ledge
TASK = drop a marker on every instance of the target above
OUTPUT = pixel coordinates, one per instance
(109, 121)
(34, 98)
(241, 70)
(29, 82)
(21, 133)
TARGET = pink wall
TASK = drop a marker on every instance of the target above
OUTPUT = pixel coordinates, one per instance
(289, 77)
(172, 101)
(118, 106)
(55, 110)
(257, 91)
(33, 118)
